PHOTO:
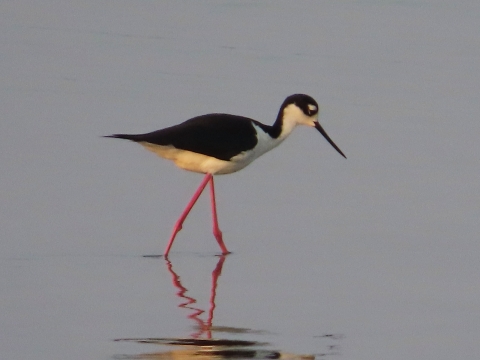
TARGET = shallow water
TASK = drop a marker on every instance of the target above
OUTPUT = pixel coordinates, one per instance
(375, 256)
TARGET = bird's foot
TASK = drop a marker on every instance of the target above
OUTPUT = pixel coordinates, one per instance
(218, 235)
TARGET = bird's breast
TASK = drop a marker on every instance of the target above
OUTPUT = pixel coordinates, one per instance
(265, 142)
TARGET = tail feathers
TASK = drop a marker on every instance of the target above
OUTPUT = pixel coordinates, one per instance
(123, 136)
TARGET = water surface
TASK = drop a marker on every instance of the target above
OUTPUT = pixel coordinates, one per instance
(371, 257)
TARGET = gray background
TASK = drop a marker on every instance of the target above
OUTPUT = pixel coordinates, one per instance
(380, 250)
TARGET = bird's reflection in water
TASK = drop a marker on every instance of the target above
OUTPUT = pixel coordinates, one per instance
(199, 349)
(204, 327)
(201, 345)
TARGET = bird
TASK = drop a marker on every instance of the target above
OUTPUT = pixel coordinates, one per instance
(218, 143)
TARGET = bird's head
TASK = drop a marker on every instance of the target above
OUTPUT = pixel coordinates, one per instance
(301, 109)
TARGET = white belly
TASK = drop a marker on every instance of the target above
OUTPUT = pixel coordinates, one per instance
(195, 162)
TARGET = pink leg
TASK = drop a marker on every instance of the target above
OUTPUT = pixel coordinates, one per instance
(178, 224)
(216, 230)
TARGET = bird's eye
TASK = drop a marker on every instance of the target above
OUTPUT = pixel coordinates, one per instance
(312, 109)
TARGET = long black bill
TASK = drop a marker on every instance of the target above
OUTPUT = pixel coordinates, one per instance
(319, 128)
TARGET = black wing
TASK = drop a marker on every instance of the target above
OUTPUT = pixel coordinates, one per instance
(218, 135)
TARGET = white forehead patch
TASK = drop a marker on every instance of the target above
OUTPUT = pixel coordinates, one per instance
(312, 107)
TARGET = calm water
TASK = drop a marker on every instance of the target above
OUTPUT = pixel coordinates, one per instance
(372, 257)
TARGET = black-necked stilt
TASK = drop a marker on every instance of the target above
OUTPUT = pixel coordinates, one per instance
(222, 144)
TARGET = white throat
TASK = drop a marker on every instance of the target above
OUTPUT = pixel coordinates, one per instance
(293, 116)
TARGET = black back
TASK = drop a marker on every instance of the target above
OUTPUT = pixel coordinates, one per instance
(218, 135)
